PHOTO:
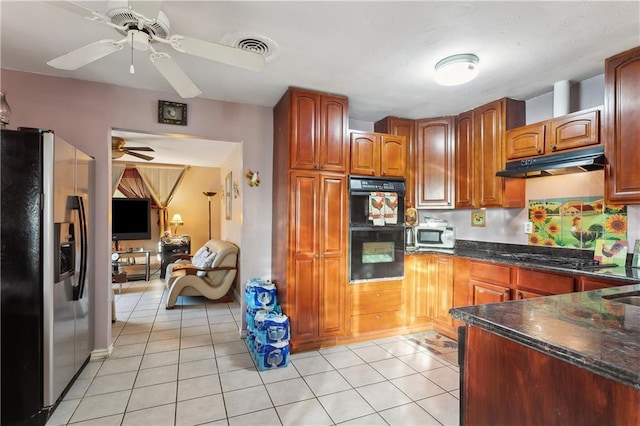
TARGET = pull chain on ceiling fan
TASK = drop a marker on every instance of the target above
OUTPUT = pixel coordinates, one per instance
(131, 19)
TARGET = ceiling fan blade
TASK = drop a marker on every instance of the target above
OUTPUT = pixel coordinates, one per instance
(74, 8)
(221, 53)
(135, 154)
(148, 8)
(85, 55)
(140, 148)
(174, 75)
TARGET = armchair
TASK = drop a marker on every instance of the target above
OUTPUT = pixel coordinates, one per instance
(209, 273)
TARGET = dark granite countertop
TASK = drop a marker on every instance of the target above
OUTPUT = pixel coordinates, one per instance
(583, 329)
(486, 251)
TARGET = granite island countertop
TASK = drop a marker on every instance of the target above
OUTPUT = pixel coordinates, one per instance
(583, 329)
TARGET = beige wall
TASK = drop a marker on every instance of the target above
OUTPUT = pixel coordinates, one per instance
(83, 113)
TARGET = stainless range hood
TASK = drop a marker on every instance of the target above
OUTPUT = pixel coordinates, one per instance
(583, 160)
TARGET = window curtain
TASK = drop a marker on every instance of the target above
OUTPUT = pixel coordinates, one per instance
(117, 170)
(162, 183)
(132, 185)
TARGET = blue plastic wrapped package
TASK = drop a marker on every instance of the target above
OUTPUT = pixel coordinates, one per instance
(261, 295)
(272, 327)
(271, 355)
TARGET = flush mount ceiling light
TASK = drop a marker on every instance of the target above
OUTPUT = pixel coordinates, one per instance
(457, 69)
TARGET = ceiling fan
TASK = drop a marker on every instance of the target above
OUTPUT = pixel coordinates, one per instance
(118, 149)
(145, 27)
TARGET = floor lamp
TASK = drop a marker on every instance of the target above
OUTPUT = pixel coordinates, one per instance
(209, 195)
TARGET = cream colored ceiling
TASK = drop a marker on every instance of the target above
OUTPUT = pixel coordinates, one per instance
(380, 54)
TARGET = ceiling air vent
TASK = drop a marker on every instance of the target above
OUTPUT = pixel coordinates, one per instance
(253, 43)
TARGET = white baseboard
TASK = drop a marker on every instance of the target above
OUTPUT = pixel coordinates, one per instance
(98, 354)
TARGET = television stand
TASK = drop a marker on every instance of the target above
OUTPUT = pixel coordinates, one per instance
(125, 259)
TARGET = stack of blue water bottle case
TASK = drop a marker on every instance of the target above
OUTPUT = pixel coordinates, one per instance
(267, 327)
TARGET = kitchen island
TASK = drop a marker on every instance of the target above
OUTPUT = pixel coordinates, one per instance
(566, 359)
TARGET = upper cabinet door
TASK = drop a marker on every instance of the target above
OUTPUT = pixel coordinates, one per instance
(334, 144)
(622, 127)
(489, 153)
(365, 153)
(435, 163)
(407, 128)
(393, 155)
(305, 112)
(318, 132)
(526, 141)
(464, 160)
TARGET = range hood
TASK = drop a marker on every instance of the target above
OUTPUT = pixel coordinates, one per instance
(583, 160)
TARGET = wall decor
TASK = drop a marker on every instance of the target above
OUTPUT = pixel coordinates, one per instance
(228, 198)
(252, 178)
(172, 113)
(478, 218)
(576, 222)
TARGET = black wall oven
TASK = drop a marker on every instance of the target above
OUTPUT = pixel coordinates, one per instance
(376, 228)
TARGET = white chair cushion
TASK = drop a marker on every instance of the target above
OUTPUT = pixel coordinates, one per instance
(207, 263)
(200, 256)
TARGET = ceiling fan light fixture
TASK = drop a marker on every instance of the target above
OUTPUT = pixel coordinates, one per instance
(457, 69)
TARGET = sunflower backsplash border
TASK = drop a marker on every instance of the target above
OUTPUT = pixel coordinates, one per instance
(576, 222)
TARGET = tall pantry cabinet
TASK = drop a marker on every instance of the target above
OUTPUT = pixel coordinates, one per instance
(309, 241)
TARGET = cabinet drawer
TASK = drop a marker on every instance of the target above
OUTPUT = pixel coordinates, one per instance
(588, 283)
(544, 282)
(499, 274)
(376, 301)
(377, 321)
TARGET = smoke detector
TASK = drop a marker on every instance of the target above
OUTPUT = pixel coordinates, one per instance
(254, 43)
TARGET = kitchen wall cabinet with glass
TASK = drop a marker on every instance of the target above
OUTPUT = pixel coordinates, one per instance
(622, 127)
(309, 229)
(378, 154)
(480, 153)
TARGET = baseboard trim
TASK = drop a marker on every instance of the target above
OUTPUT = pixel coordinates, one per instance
(99, 354)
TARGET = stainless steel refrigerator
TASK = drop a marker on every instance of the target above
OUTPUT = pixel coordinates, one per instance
(45, 271)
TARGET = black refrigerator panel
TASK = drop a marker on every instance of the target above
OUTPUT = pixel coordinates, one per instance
(21, 276)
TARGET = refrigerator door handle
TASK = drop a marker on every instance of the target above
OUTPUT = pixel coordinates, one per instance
(78, 290)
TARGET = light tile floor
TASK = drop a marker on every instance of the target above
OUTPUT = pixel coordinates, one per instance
(188, 366)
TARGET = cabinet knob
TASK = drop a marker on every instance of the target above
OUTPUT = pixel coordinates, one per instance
(553, 147)
(377, 316)
(378, 294)
(539, 151)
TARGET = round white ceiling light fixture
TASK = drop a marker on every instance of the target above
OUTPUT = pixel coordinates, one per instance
(457, 69)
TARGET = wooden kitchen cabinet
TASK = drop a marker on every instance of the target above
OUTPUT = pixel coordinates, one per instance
(318, 257)
(434, 165)
(622, 127)
(585, 283)
(407, 128)
(577, 130)
(431, 292)
(490, 282)
(532, 283)
(309, 227)
(480, 153)
(318, 125)
(376, 307)
(378, 154)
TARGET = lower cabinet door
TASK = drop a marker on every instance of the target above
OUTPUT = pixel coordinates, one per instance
(489, 293)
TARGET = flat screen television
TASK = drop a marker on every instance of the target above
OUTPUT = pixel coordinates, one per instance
(130, 219)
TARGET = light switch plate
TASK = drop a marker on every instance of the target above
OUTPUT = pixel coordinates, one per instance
(528, 227)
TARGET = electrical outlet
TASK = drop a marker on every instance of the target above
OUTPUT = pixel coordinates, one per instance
(528, 227)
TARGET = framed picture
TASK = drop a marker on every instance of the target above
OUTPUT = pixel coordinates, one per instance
(228, 195)
(172, 113)
(478, 218)
(611, 251)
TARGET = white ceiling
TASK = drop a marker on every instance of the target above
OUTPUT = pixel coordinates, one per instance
(380, 54)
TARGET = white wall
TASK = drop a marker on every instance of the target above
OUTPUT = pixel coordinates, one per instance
(83, 113)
